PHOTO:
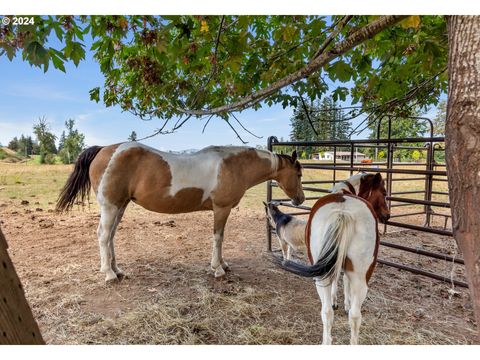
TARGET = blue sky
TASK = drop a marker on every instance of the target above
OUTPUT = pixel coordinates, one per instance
(27, 94)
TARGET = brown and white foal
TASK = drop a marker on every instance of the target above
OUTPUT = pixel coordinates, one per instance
(214, 178)
(341, 234)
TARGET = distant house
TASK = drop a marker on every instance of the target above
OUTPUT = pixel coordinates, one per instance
(340, 155)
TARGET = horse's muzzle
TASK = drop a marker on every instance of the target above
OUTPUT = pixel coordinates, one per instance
(298, 200)
(384, 218)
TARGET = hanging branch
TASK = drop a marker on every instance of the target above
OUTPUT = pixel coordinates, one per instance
(204, 126)
(244, 128)
(177, 126)
(235, 131)
(308, 115)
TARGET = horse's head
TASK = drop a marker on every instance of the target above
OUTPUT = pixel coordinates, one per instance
(289, 178)
(372, 189)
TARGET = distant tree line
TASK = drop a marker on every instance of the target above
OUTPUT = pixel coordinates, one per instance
(322, 120)
(71, 143)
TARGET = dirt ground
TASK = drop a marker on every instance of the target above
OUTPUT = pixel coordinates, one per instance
(171, 297)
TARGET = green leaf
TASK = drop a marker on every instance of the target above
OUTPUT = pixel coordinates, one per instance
(95, 94)
(58, 63)
(36, 53)
(340, 70)
(58, 30)
(77, 53)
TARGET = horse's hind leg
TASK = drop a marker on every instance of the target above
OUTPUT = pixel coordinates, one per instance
(108, 215)
(346, 291)
(119, 272)
(334, 294)
(325, 292)
(358, 293)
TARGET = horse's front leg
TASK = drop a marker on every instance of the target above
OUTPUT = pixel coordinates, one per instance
(220, 216)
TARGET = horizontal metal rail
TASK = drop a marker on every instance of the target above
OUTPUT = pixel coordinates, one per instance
(418, 202)
(408, 179)
(409, 192)
(381, 170)
(346, 143)
(420, 228)
(440, 193)
(423, 272)
(423, 252)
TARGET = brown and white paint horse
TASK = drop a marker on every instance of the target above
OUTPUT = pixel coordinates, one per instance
(214, 178)
(341, 234)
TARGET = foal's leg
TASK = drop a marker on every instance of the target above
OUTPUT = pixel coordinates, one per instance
(108, 214)
(358, 292)
(220, 216)
(289, 252)
(325, 292)
(334, 294)
(346, 291)
(119, 272)
(283, 247)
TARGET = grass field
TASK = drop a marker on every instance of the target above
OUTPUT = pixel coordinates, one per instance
(42, 183)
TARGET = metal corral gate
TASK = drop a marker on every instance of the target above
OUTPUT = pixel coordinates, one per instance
(429, 171)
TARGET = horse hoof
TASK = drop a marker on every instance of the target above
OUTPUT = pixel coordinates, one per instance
(219, 273)
(225, 266)
(111, 278)
(121, 276)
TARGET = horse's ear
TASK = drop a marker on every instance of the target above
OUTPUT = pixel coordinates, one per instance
(294, 155)
(377, 179)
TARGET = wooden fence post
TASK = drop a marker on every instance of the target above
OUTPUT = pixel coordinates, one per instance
(17, 325)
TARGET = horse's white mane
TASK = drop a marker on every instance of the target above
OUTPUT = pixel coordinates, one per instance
(354, 180)
(263, 154)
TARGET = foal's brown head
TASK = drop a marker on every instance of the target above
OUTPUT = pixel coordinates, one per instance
(289, 177)
(372, 189)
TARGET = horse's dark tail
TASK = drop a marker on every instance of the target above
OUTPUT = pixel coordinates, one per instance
(78, 184)
(322, 268)
(332, 256)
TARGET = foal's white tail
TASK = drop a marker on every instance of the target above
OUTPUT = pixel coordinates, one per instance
(336, 240)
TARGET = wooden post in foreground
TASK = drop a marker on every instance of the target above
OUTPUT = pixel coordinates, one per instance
(17, 325)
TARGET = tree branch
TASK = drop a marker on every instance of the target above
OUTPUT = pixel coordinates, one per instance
(359, 36)
(235, 131)
(244, 128)
(329, 39)
(308, 114)
(204, 126)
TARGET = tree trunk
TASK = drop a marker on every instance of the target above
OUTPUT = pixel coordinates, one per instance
(463, 143)
(17, 325)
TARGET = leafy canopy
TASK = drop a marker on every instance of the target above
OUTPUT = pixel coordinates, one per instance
(154, 66)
